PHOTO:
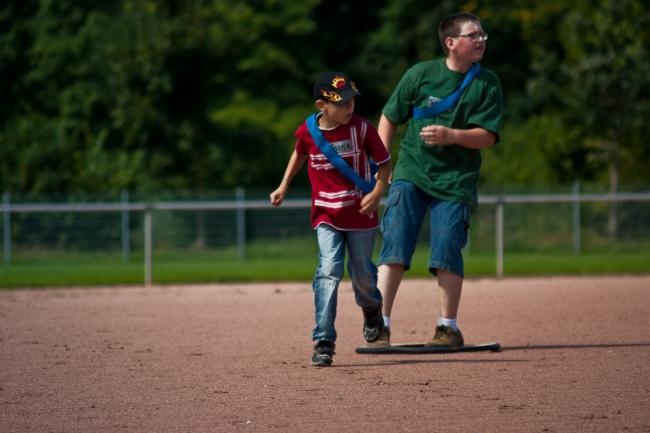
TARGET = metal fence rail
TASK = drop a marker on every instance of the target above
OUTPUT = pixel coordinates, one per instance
(575, 198)
(240, 205)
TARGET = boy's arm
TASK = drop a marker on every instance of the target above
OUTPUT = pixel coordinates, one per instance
(474, 138)
(386, 130)
(295, 162)
(370, 201)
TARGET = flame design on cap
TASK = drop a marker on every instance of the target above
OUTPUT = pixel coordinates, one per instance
(338, 82)
(331, 96)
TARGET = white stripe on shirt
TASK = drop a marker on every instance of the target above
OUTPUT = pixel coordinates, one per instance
(338, 194)
(334, 205)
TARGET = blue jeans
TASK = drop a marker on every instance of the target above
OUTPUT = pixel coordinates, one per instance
(362, 271)
(406, 207)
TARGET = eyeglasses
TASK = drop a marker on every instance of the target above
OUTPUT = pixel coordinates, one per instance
(475, 36)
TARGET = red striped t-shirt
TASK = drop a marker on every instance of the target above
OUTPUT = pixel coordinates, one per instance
(335, 199)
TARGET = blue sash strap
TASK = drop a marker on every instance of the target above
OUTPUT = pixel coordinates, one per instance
(449, 100)
(333, 156)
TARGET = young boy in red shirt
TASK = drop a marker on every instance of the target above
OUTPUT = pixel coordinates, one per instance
(341, 214)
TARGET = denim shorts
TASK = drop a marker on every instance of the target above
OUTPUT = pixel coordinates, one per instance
(406, 207)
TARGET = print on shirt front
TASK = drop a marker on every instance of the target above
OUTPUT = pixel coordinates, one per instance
(335, 199)
(348, 150)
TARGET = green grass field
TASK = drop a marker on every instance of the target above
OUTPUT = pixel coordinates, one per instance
(291, 262)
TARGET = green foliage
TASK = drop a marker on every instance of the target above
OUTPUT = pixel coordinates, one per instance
(596, 77)
(199, 95)
(84, 120)
(539, 151)
(151, 95)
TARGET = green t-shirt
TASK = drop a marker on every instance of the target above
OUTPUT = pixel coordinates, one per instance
(446, 172)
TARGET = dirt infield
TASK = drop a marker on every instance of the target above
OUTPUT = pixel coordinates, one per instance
(235, 358)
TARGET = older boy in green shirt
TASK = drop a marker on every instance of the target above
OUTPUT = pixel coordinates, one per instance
(438, 166)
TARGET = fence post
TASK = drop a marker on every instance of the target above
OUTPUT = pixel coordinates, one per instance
(577, 235)
(6, 231)
(240, 195)
(499, 237)
(147, 245)
(125, 226)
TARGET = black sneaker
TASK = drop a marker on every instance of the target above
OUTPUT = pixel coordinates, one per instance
(373, 324)
(383, 340)
(323, 354)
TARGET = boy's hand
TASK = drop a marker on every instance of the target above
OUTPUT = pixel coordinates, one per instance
(370, 203)
(277, 196)
(437, 135)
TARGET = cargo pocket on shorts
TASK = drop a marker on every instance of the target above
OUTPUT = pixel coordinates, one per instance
(393, 198)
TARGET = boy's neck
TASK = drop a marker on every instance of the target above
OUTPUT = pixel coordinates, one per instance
(325, 123)
(457, 65)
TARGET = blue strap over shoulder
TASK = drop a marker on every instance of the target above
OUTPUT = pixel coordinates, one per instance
(333, 156)
(449, 100)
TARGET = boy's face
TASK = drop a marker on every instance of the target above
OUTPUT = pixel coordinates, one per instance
(464, 47)
(339, 113)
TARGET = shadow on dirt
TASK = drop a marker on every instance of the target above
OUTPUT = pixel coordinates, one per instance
(574, 346)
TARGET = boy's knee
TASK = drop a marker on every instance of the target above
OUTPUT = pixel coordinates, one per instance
(331, 269)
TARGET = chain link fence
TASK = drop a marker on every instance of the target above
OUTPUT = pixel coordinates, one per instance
(242, 224)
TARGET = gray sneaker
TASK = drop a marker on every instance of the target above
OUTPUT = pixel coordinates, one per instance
(446, 336)
(383, 340)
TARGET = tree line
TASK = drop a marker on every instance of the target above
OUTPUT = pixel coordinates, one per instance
(202, 95)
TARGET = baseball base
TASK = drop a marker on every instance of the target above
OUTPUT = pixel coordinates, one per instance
(422, 348)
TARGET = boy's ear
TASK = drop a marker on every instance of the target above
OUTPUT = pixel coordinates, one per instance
(321, 105)
(449, 42)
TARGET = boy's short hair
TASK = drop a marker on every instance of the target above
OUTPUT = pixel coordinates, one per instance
(450, 27)
(335, 87)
